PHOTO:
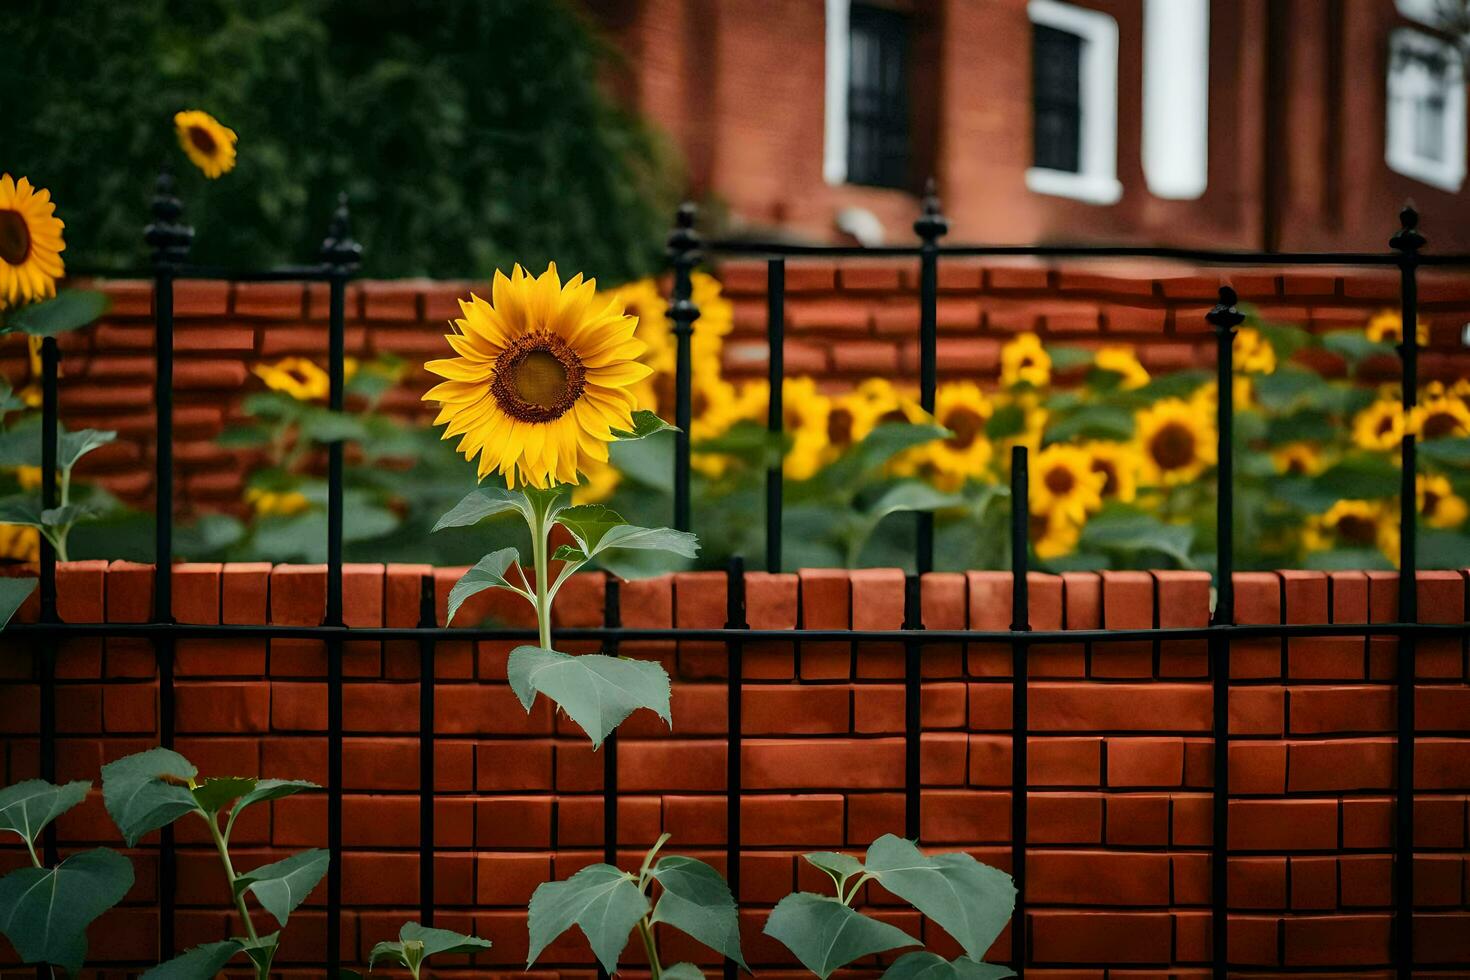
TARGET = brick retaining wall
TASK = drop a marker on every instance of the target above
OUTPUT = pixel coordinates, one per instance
(1119, 741)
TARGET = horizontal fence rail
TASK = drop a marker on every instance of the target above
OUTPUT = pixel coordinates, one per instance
(169, 239)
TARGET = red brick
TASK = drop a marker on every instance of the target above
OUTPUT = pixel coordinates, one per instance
(1063, 761)
(818, 764)
(1295, 825)
(1137, 819)
(1257, 768)
(223, 706)
(949, 816)
(826, 598)
(1097, 878)
(80, 589)
(1257, 882)
(1441, 763)
(1341, 764)
(1091, 937)
(1337, 940)
(1323, 710)
(513, 821)
(770, 603)
(1060, 706)
(509, 879)
(792, 821)
(794, 710)
(1136, 762)
(675, 764)
(1257, 600)
(1258, 710)
(1365, 880)
(196, 592)
(1064, 818)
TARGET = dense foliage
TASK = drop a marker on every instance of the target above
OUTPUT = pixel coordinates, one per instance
(460, 149)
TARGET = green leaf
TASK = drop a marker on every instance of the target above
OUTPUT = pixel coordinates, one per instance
(72, 446)
(388, 949)
(882, 444)
(45, 912)
(29, 806)
(1093, 422)
(202, 962)
(64, 517)
(9, 401)
(602, 901)
(841, 867)
(929, 966)
(1132, 533)
(488, 573)
(324, 425)
(243, 437)
(261, 951)
(417, 943)
(596, 691)
(1347, 559)
(1289, 388)
(1354, 345)
(213, 795)
(911, 495)
(1066, 358)
(683, 971)
(481, 503)
(68, 310)
(138, 800)
(588, 523)
(629, 538)
(266, 790)
(697, 901)
(13, 594)
(1447, 452)
(1006, 421)
(1359, 478)
(283, 885)
(969, 900)
(645, 424)
(826, 935)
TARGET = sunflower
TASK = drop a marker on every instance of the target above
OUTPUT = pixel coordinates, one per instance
(1439, 504)
(1298, 459)
(1025, 361)
(1063, 480)
(1206, 396)
(268, 503)
(892, 405)
(804, 420)
(20, 542)
(713, 404)
(850, 417)
(643, 300)
(1380, 426)
(1176, 440)
(1353, 524)
(1440, 414)
(209, 145)
(961, 408)
(30, 243)
(297, 377)
(1118, 462)
(541, 379)
(1253, 353)
(1053, 534)
(31, 394)
(1122, 362)
(28, 477)
(1387, 326)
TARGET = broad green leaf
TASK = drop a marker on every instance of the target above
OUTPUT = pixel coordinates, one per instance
(1006, 421)
(21, 509)
(588, 523)
(481, 503)
(1449, 452)
(45, 912)
(1288, 388)
(27, 807)
(911, 495)
(1179, 384)
(441, 942)
(645, 424)
(202, 962)
(596, 691)
(826, 935)
(9, 401)
(488, 573)
(1354, 345)
(666, 539)
(262, 951)
(683, 971)
(72, 446)
(1442, 548)
(1132, 533)
(601, 900)
(969, 900)
(888, 440)
(213, 795)
(139, 800)
(55, 517)
(271, 405)
(1359, 478)
(392, 950)
(1092, 422)
(283, 885)
(243, 437)
(68, 310)
(324, 425)
(841, 867)
(929, 966)
(1066, 358)
(13, 594)
(697, 901)
(266, 790)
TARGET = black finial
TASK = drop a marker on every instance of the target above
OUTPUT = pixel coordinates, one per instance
(166, 234)
(338, 248)
(1407, 238)
(931, 224)
(683, 241)
(1225, 316)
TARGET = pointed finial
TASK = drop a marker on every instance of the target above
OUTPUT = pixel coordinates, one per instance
(1225, 316)
(931, 223)
(166, 234)
(1408, 239)
(338, 248)
(683, 241)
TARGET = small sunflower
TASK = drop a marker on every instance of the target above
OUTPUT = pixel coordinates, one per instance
(1353, 524)
(850, 417)
(1063, 480)
(804, 420)
(1122, 362)
(1380, 426)
(1298, 459)
(713, 406)
(897, 406)
(1387, 326)
(1440, 414)
(209, 145)
(268, 503)
(962, 409)
(29, 477)
(1025, 361)
(1118, 462)
(1440, 506)
(541, 378)
(1253, 353)
(1206, 396)
(20, 542)
(1053, 534)
(297, 377)
(1176, 440)
(642, 299)
(30, 243)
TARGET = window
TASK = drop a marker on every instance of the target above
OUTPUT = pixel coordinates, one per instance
(1425, 132)
(867, 120)
(1176, 97)
(1074, 103)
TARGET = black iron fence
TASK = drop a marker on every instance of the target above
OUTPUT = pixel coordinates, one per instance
(169, 238)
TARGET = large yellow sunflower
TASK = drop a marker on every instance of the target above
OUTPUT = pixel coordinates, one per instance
(1380, 426)
(541, 380)
(1063, 480)
(1438, 502)
(1025, 361)
(209, 145)
(1124, 363)
(1118, 462)
(1176, 440)
(961, 408)
(30, 243)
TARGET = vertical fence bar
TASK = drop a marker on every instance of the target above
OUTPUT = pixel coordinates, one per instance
(929, 226)
(169, 238)
(46, 658)
(775, 406)
(427, 619)
(683, 255)
(612, 616)
(1020, 722)
(735, 676)
(913, 722)
(1224, 318)
(1407, 242)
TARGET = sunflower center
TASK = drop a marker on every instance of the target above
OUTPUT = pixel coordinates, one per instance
(1039, 526)
(1172, 447)
(202, 139)
(1357, 529)
(538, 378)
(1385, 425)
(1440, 424)
(15, 237)
(1431, 502)
(1110, 475)
(839, 426)
(966, 424)
(1060, 480)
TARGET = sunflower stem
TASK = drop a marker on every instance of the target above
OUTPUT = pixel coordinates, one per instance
(540, 533)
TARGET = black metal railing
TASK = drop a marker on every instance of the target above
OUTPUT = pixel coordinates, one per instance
(170, 238)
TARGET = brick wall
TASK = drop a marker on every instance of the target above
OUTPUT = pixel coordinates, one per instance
(1119, 743)
(844, 322)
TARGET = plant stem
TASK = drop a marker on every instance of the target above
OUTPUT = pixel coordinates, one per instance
(540, 532)
(224, 856)
(32, 848)
(645, 932)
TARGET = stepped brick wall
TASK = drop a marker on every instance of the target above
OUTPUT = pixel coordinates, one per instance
(844, 322)
(1119, 741)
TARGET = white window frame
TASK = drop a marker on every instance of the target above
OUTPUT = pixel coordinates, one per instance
(1097, 182)
(1447, 174)
(1176, 97)
(834, 143)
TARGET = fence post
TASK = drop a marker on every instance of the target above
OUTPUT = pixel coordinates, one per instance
(169, 238)
(1020, 720)
(930, 227)
(775, 403)
(1406, 241)
(683, 249)
(734, 708)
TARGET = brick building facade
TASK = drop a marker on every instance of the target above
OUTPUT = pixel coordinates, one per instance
(1291, 124)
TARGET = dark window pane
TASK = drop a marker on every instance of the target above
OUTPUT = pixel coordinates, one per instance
(877, 98)
(1056, 79)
